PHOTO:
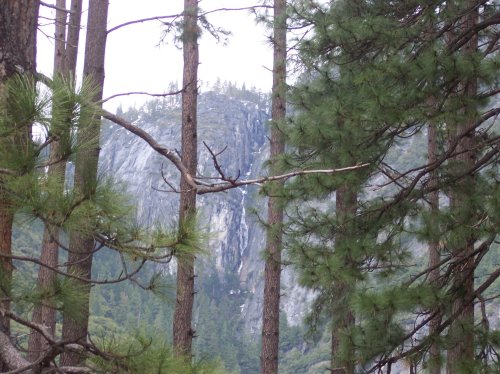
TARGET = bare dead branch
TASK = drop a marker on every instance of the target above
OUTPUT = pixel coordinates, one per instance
(216, 162)
(74, 276)
(164, 151)
(52, 6)
(198, 184)
(254, 7)
(159, 18)
(10, 355)
(165, 94)
(223, 186)
(142, 20)
(170, 185)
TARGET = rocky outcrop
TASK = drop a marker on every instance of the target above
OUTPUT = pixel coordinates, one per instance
(238, 121)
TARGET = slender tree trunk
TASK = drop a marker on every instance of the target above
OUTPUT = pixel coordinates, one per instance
(272, 272)
(182, 329)
(82, 244)
(462, 207)
(343, 317)
(461, 330)
(73, 38)
(18, 23)
(6, 220)
(65, 56)
(434, 255)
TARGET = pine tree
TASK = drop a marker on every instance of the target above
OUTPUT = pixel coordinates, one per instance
(434, 251)
(182, 329)
(82, 246)
(89, 209)
(397, 68)
(329, 243)
(272, 271)
(65, 57)
(103, 216)
(18, 22)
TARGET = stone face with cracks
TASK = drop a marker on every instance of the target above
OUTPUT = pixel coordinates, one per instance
(237, 238)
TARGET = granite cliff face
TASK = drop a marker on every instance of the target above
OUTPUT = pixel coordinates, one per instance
(236, 120)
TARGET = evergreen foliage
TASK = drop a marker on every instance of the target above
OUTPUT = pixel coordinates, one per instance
(102, 212)
(376, 73)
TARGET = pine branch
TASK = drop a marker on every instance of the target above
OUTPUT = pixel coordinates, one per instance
(481, 289)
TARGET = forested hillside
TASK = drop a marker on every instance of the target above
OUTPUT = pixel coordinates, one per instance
(345, 222)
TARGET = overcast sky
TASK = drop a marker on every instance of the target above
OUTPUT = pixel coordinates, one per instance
(137, 61)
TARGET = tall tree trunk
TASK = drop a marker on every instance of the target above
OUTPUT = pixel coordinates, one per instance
(434, 255)
(18, 25)
(182, 329)
(65, 56)
(82, 244)
(343, 317)
(462, 207)
(6, 220)
(73, 38)
(272, 271)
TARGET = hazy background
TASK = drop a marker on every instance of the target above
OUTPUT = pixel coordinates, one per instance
(137, 60)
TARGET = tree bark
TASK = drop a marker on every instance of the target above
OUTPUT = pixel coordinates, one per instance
(182, 330)
(272, 272)
(9, 355)
(17, 37)
(464, 213)
(73, 38)
(65, 57)
(6, 220)
(82, 244)
(18, 25)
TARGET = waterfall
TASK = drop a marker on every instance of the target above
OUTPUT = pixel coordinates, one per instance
(243, 228)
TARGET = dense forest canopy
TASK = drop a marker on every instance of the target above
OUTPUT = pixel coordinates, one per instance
(345, 222)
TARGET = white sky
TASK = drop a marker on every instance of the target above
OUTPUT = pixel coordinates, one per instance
(136, 62)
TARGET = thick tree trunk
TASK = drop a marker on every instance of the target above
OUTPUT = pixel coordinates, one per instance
(464, 213)
(82, 244)
(65, 56)
(182, 329)
(343, 318)
(272, 271)
(18, 23)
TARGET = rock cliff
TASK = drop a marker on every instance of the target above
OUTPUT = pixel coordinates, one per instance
(236, 119)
